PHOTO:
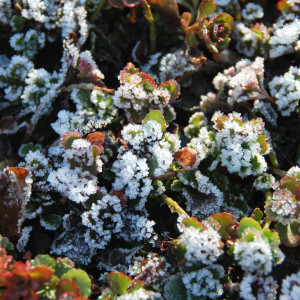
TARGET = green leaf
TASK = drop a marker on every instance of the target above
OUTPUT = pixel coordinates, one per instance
(247, 223)
(66, 285)
(168, 114)
(175, 289)
(223, 18)
(118, 282)
(84, 96)
(62, 266)
(45, 260)
(272, 236)
(177, 185)
(257, 214)
(193, 222)
(82, 279)
(173, 87)
(290, 182)
(288, 233)
(206, 7)
(136, 286)
(191, 38)
(108, 174)
(226, 221)
(157, 116)
(50, 222)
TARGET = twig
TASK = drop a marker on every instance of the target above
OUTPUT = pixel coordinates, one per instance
(150, 19)
(173, 205)
(94, 16)
(277, 171)
(168, 174)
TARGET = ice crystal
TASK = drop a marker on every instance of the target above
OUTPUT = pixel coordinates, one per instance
(141, 294)
(137, 227)
(204, 283)
(254, 287)
(283, 207)
(103, 219)
(290, 287)
(254, 256)
(264, 181)
(286, 91)
(239, 144)
(252, 11)
(76, 184)
(29, 44)
(174, 65)
(201, 246)
(285, 37)
(22, 242)
(245, 81)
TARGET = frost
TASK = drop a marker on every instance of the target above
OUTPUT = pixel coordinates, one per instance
(136, 227)
(254, 256)
(141, 294)
(264, 181)
(69, 16)
(238, 145)
(29, 44)
(252, 11)
(103, 219)
(258, 288)
(5, 11)
(202, 283)
(286, 91)
(286, 33)
(174, 65)
(201, 246)
(75, 184)
(22, 242)
(290, 287)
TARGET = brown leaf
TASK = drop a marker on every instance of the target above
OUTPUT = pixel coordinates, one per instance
(7, 123)
(13, 200)
(95, 138)
(187, 157)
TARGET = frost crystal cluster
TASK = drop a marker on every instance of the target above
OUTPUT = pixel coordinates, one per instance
(286, 90)
(241, 146)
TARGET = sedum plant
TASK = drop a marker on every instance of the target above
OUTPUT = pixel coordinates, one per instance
(134, 191)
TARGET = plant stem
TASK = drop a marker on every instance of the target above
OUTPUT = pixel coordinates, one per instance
(237, 9)
(168, 175)
(277, 171)
(150, 19)
(273, 159)
(173, 205)
(100, 5)
(267, 224)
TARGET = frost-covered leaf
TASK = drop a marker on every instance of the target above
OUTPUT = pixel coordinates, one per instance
(14, 199)
(51, 221)
(157, 116)
(175, 289)
(247, 223)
